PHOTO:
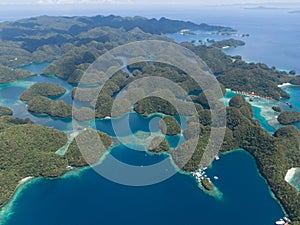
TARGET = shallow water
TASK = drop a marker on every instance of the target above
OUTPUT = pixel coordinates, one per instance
(84, 197)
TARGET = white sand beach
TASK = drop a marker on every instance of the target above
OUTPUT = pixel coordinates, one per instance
(24, 180)
(290, 174)
(284, 84)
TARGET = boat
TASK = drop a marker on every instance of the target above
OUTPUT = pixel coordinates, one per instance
(280, 222)
(107, 118)
(216, 178)
(198, 174)
(186, 32)
(217, 157)
(289, 104)
(287, 219)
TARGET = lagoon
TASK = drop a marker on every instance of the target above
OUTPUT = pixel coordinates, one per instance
(84, 197)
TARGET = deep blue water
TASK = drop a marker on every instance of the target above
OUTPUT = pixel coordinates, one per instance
(274, 34)
(87, 198)
(90, 199)
(129, 123)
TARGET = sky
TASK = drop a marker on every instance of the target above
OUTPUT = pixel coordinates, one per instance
(138, 2)
(17, 9)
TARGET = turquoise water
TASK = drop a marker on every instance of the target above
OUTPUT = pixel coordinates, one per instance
(294, 91)
(10, 93)
(84, 197)
(257, 112)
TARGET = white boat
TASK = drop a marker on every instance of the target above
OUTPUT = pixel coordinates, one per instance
(217, 157)
(107, 118)
(280, 222)
(184, 31)
(216, 178)
(287, 219)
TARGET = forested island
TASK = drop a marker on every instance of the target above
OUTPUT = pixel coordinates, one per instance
(158, 145)
(43, 105)
(73, 43)
(228, 43)
(289, 117)
(10, 74)
(42, 89)
(169, 126)
(277, 109)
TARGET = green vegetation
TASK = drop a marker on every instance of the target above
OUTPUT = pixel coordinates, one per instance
(83, 114)
(46, 37)
(289, 117)
(75, 42)
(277, 109)
(91, 151)
(151, 105)
(245, 108)
(43, 105)
(158, 145)
(274, 155)
(28, 150)
(193, 130)
(169, 126)
(236, 74)
(229, 42)
(295, 80)
(8, 75)
(43, 89)
(5, 111)
(9, 121)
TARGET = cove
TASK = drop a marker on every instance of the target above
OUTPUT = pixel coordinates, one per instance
(87, 198)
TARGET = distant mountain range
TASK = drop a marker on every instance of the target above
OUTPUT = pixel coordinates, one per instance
(295, 11)
(263, 8)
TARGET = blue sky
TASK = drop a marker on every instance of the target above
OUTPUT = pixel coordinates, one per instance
(18, 9)
(136, 2)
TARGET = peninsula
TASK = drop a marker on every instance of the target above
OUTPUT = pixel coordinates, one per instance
(73, 43)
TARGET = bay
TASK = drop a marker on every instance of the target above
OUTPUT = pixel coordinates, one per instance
(84, 197)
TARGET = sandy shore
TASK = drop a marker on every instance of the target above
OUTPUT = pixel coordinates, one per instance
(290, 174)
(284, 84)
(24, 180)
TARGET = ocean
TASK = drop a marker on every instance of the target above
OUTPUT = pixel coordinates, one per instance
(84, 197)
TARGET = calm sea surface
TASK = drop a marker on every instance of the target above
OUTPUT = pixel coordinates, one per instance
(84, 197)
